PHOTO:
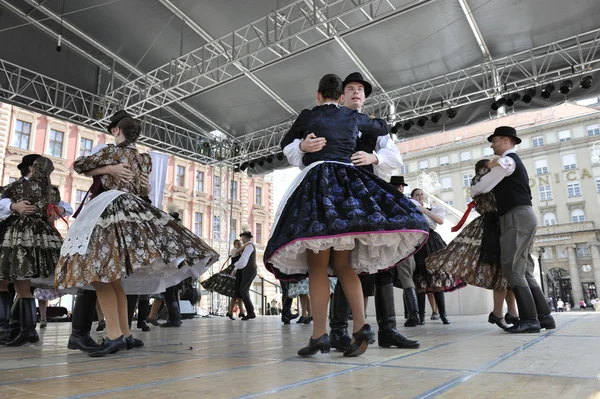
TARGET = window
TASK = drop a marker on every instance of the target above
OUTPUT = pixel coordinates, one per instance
(467, 200)
(561, 252)
(577, 216)
(569, 162)
(217, 186)
(593, 130)
(564, 135)
(55, 143)
(258, 196)
(465, 156)
(234, 190)
(450, 202)
(446, 183)
(488, 152)
(573, 189)
(85, 147)
(598, 184)
(198, 224)
(582, 251)
(233, 230)
(404, 169)
(541, 167)
(547, 253)
(549, 219)
(538, 141)
(199, 182)
(445, 160)
(423, 165)
(216, 227)
(79, 196)
(467, 177)
(545, 193)
(22, 135)
(180, 177)
(258, 233)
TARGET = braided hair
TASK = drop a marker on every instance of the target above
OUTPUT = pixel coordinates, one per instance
(131, 129)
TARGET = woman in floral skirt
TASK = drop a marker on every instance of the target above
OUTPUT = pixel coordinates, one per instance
(120, 243)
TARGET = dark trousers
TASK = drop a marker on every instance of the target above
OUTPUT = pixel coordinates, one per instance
(83, 313)
(285, 300)
(244, 279)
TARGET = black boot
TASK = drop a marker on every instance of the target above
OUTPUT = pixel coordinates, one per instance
(340, 311)
(412, 305)
(421, 303)
(543, 310)
(28, 320)
(528, 321)
(6, 302)
(131, 305)
(386, 320)
(406, 309)
(440, 300)
(83, 318)
(143, 310)
(172, 304)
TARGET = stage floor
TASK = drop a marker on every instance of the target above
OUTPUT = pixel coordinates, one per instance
(220, 358)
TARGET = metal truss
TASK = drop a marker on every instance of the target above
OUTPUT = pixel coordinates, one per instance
(40, 93)
(277, 36)
(563, 59)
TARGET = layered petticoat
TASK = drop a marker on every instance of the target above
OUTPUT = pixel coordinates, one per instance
(339, 206)
(120, 236)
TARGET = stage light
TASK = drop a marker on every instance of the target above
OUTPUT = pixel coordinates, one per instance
(244, 166)
(435, 118)
(237, 168)
(548, 89)
(451, 113)
(280, 156)
(252, 165)
(270, 159)
(528, 96)
(396, 127)
(497, 104)
(586, 82)
(513, 99)
(566, 86)
(261, 162)
(422, 121)
(408, 124)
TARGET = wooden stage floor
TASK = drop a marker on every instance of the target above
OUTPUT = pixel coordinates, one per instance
(220, 358)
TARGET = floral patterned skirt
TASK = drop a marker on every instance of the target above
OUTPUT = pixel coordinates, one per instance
(222, 283)
(136, 242)
(30, 249)
(438, 279)
(301, 287)
(471, 258)
(341, 207)
(48, 294)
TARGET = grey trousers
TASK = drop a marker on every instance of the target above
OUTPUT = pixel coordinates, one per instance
(405, 272)
(517, 233)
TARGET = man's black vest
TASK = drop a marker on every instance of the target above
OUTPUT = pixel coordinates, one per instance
(367, 144)
(513, 190)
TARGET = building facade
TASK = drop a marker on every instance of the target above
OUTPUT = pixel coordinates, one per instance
(213, 202)
(565, 184)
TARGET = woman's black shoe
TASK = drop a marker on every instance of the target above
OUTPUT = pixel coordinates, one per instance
(301, 320)
(143, 326)
(510, 319)
(230, 315)
(249, 316)
(360, 341)
(322, 344)
(308, 319)
(133, 342)
(499, 321)
(108, 347)
(241, 315)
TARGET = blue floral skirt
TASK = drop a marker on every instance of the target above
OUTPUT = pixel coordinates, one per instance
(341, 207)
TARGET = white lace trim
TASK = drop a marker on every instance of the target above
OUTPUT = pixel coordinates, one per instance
(78, 236)
(371, 252)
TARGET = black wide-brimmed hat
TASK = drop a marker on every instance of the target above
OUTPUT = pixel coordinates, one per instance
(246, 234)
(27, 161)
(357, 77)
(397, 181)
(505, 131)
(116, 118)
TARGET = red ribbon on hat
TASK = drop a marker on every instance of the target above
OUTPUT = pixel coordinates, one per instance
(462, 221)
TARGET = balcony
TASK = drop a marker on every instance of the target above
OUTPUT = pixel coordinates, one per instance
(565, 228)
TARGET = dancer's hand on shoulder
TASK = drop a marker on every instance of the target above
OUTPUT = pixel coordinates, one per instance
(233, 272)
(493, 163)
(312, 143)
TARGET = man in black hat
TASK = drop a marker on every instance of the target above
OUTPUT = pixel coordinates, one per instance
(380, 156)
(245, 272)
(509, 180)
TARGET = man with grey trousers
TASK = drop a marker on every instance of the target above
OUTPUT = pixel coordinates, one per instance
(509, 180)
